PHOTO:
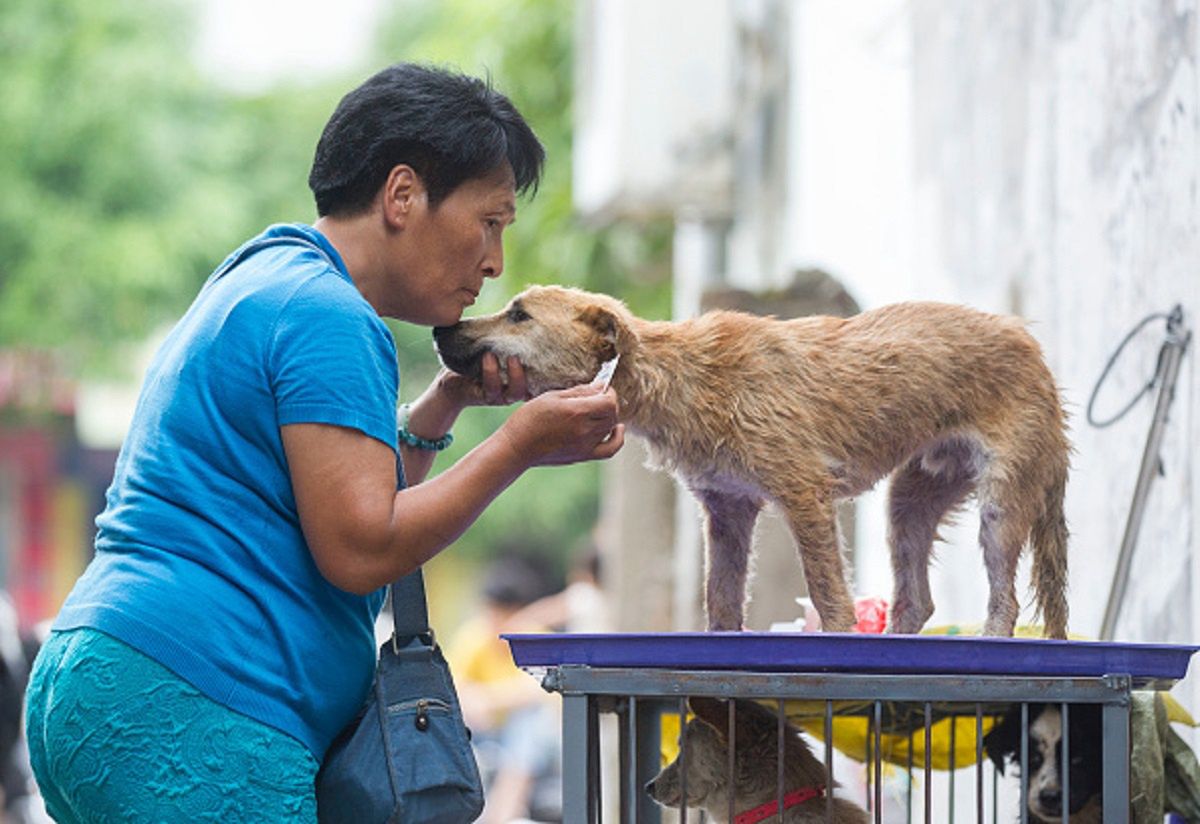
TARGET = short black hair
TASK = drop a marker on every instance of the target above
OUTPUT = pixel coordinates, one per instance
(448, 127)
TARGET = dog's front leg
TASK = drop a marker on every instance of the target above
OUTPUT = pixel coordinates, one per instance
(729, 528)
(814, 526)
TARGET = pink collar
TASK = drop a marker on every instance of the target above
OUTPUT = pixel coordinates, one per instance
(765, 811)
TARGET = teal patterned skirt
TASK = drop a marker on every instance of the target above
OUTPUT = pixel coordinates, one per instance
(116, 737)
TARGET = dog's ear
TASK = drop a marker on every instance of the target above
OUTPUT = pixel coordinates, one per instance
(1003, 741)
(606, 325)
(712, 711)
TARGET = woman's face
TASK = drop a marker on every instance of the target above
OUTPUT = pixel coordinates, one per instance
(446, 252)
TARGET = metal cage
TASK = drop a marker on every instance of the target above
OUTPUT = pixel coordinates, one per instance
(643, 680)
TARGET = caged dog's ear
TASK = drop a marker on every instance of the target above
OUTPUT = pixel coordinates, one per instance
(712, 711)
(1003, 741)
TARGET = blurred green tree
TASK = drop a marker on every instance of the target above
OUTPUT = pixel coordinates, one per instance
(128, 175)
(102, 166)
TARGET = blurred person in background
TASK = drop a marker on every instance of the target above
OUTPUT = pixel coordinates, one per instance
(223, 633)
(17, 649)
(581, 606)
(514, 722)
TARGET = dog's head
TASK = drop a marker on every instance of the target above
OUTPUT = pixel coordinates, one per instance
(705, 739)
(560, 335)
(1003, 746)
(704, 743)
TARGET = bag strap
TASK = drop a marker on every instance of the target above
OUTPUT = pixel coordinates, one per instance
(410, 615)
(409, 612)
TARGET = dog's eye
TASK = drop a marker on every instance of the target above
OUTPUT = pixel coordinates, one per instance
(516, 314)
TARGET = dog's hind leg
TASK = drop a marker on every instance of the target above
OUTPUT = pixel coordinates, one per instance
(1002, 536)
(814, 526)
(923, 492)
(729, 530)
(1010, 500)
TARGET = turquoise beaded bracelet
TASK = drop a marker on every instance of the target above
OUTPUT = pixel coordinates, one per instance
(416, 441)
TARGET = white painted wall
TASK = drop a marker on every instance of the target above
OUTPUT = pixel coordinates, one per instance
(1057, 167)
(1048, 165)
(653, 105)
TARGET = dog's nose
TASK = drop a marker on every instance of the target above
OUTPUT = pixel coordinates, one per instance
(440, 332)
(650, 787)
(1050, 800)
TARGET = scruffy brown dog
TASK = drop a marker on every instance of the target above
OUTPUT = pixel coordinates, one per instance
(705, 765)
(747, 409)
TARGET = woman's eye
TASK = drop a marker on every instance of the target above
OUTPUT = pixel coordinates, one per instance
(517, 314)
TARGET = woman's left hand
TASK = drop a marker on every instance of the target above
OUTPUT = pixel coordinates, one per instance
(495, 388)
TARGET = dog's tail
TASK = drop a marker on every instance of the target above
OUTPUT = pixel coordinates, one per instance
(1049, 572)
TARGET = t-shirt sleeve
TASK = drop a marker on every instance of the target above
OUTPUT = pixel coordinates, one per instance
(333, 361)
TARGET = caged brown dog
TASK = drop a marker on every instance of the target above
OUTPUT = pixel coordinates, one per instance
(702, 777)
(744, 409)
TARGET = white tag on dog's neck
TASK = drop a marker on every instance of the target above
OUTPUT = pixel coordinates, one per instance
(604, 376)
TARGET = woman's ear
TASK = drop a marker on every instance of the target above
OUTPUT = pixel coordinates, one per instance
(402, 192)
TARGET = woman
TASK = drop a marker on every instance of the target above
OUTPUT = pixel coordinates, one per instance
(222, 635)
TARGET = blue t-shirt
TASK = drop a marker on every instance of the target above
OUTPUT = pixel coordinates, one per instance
(200, 560)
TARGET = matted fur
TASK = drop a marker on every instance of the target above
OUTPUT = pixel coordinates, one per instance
(747, 409)
(755, 766)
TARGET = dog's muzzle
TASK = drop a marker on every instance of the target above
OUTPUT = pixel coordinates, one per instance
(456, 352)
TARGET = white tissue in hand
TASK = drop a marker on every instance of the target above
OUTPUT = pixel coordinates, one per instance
(604, 376)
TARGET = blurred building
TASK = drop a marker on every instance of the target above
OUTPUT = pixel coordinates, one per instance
(1041, 159)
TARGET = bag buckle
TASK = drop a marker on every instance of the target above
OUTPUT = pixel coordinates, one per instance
(431, 640)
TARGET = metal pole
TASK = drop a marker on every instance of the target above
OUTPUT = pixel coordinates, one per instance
(1115, 733)
(647, 747)
(628, 788)
(575, 759)
(1168, 371)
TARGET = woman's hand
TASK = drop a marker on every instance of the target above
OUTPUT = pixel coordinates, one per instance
(493, 388)
(434, 413)
(566, 426)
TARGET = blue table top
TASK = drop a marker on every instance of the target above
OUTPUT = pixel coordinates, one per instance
(823, 652)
